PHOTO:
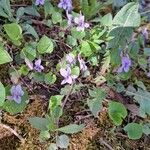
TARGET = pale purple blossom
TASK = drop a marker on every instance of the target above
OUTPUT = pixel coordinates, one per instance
(65, 4)
(66, 73)
(82, 63)
(39, 2)
(70, 59)
(69, 18)
(80, 21)
(16, 93)
(125, 64)
(38, 67)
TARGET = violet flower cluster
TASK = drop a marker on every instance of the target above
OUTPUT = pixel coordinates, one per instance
(78, 21)
(38, 67)
(125, 64)
(16, 93)
(66, 72)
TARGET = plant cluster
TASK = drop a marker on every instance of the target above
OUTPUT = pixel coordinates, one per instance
(114, 45)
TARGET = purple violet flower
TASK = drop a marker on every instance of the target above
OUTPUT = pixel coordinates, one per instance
(38, 67)
(65, 4)
(70, 59)
(82, 64)
(66, 73)
(39, 2)
(126, 64)
(16, 93)
(80, 22)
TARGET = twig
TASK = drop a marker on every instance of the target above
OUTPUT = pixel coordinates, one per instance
(105, 144)
(14, 132)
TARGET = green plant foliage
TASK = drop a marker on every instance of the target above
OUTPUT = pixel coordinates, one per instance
(45, 45)
(4, 57)
(146, 129)
(95, 103)
(134, 130)
(62, 141)
(53, 146)
(124, 18)
(39, 123)
(2, 94)
(142, 97)
(117, 112)
(72, 128)
(50, 78)
(13, 108)
(14, 31)
(56, 17)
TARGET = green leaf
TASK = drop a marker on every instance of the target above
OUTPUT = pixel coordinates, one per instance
(121, 35)
(71, 129)
(48, 8)
(126, 15)
(4, 57)
(143, 98)
(77, 34)
(55, 101)
(2, 94)
(71, 40)
(56, 17)
(117, 112)
(53, 146)
(86, 49)
(44, 135)
(30, 30)
(13, 108)
(146, 129)
(50, 78)
(39, 123)
(62, 141)
(106, 20)
(14, 31)
(95, 103)
(147, 51)
(45, 45)
(134, 131)
(30, 10)
(75, 71)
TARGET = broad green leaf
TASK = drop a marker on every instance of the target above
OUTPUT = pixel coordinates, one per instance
(125, 16)
(143, 98)
(77, 34)
(95, 103)
(48, 8)
(4, 56)
(117, 112)
(56, 17)
(147, 51)
(71, 129)
(71, 40)
(86, 49)
(55, 101)
(14, 31)
(146, 129)
(30, 10)
(53, 146)
(121, 35)
(62, 141)
(13, 108)
(134, 130)
(50, 78)
(45, 45)
(75, 71)
(30, 30)
(39, 123)
(106, 20)
(44, 135)
(2, 94)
